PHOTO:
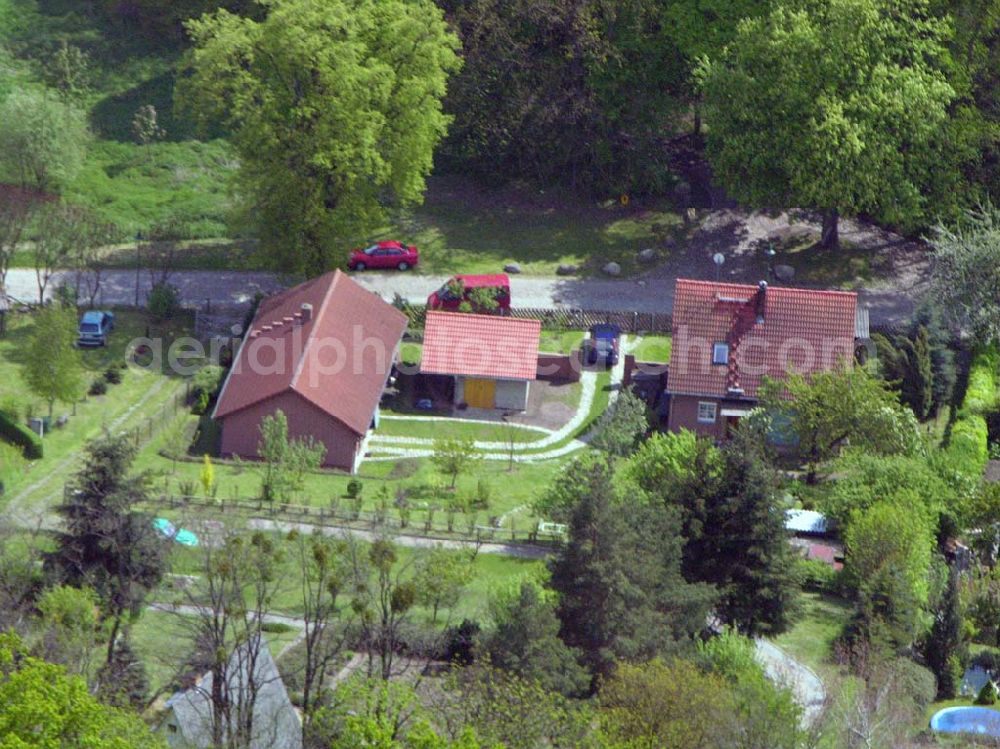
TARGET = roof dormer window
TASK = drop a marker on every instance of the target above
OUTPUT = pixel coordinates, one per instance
(720, 354)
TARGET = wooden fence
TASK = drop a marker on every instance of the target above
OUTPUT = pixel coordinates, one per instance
(153, 423)
(424, 522)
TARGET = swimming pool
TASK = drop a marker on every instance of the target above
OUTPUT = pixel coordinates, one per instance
(980, 720)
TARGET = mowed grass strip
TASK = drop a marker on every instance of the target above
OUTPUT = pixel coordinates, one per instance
(141, 394)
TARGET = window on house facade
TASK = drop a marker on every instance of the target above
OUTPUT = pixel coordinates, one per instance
(706, 412)
(720, 353)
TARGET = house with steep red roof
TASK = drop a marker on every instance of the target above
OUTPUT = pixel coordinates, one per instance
(493, 359)
(321, 352)
(728, 337)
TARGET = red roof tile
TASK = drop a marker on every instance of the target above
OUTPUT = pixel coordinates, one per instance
(339, 360)
(503, 348)
(802, 330)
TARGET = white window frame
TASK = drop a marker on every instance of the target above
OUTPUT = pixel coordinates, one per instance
(716, 347)
(705, 419)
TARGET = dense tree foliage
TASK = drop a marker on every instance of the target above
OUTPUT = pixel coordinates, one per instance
(41, 707)
(836, 106)
(334, 108)
(43, 140)
(621, 594)
(828, 411)
(526, 642)
(967, 272)
(888, 559)
(733, 526)
(53, 369)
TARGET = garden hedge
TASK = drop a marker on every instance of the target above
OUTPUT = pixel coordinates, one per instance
(21, 436)
(970, 441)
(983, 392)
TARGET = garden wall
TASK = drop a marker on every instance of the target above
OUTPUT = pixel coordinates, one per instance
(562, 367)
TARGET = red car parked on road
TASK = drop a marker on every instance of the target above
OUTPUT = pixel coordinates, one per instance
(385, 255)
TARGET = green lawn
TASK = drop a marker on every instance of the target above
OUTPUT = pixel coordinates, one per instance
(652, 348)
(561, 341)
(811, 638)
(126, 405)
(473, 430)
(424, 486)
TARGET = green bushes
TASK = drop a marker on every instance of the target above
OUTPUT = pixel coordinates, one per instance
(817, 575)
(983, 392)
(970, 441)
(24, 438)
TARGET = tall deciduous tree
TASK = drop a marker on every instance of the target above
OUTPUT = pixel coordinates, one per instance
(335, 109)
(888, 556)
(53, 369)
(830, 410)
(967, 272)
(43, 140)
(835, 106)
(16, 209)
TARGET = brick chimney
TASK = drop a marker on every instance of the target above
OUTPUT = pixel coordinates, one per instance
(761, 301)
(307, 312)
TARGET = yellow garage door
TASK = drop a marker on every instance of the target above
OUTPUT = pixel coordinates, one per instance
(480, 393)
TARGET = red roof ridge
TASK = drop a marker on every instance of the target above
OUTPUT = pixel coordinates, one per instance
(317, 315)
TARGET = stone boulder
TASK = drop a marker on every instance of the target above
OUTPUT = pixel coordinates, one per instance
(512, 268)
(566, 270)
(647, 255)
(612, 269)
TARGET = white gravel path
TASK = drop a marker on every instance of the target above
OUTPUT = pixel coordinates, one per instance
(807, 688)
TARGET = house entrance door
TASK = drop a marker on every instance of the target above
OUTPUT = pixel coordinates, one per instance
(480, 393)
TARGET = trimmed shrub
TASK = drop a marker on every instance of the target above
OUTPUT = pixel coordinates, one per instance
(983, 392)
(164, 301)
(988, 694)
(354, 488)
(969, 442)
(98, 387)
(276, 628)
(112, 375)
(915, 681)
(21, 436)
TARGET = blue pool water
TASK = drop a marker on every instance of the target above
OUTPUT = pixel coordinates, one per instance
(981, 720)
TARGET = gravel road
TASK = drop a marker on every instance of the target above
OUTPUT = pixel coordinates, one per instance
(616, 295)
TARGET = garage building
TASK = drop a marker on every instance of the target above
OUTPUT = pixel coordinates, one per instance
(493, 359)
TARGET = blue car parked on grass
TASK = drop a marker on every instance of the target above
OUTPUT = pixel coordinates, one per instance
(95, 325)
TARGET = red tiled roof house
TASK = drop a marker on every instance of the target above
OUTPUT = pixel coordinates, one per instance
(321, 352)
(728, 337)
(493, 359)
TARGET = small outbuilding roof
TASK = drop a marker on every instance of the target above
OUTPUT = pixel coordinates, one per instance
(487, 346)
(805, 521)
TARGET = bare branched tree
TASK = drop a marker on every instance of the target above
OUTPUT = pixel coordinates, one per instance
(226, 614)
